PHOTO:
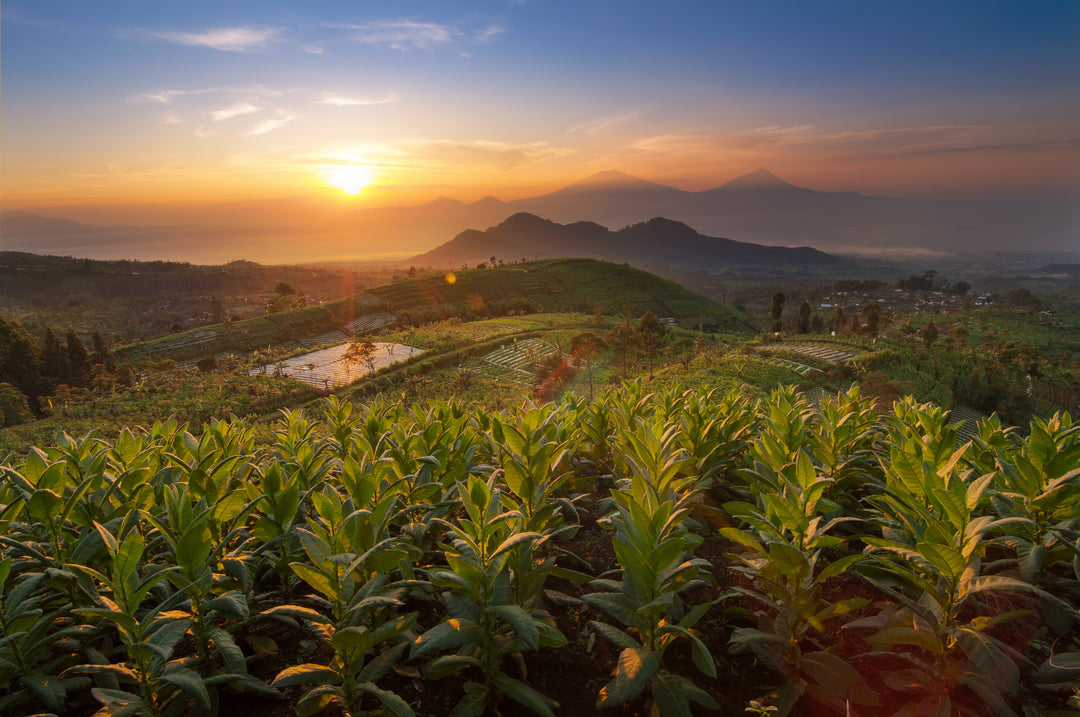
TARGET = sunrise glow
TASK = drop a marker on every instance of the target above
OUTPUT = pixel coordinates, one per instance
(351, 180)
(275, 115)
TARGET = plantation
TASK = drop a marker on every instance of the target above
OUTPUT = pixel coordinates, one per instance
(672, 553)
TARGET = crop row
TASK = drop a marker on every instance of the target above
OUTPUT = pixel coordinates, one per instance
(873, 559)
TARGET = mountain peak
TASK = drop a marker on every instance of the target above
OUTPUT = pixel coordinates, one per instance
(614, 179)
(488, 202)
(758, 179)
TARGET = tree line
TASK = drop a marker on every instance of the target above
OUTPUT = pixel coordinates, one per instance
(31, 371)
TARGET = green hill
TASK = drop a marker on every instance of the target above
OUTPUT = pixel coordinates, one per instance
(558, 285)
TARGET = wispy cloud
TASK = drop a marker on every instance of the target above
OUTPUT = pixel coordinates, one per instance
(602, 124)
(330, 98)
(479, 152)
(488, 33)
(236, 110)
(244, 38)
(270, 125)
(402, 34)
(166, 96)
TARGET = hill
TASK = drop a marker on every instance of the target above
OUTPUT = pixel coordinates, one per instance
(657, 242)
(564, 285)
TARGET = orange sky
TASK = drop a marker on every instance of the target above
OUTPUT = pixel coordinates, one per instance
(270, 112)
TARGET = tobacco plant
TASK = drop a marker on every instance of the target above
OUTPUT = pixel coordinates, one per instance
(655, 552)
(350, 558)
(486, 622)
(930, 563)
(783, 564)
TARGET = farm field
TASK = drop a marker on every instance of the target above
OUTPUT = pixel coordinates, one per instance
(678, 552)
(327, 368)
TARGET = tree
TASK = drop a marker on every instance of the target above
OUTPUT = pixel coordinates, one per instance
(872, 314)
(598, 315)
(776, 313)
(285, 297)
(929, 333)
(817, 324)
(840, 320)
(218, 314)
(804, 318)
(101, 355)
(14, 408)
(54, 359)
(78, 359)
(360, 351)
(20, 362)
(621, 337)
(587, 346)
(652, 336)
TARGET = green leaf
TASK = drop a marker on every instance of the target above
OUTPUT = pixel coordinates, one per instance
(446, 635)
(635, 668)
(669, 695)
(232, 603)
(127, 557)
(188, 681)
(837, 677)
(989, 583)
(47, 688)
(947, 560)
(297, 611)
(302, 674)
(317, 699)
(513, 541)
(44, 505)
(170, 634)
(524, 695)
(389, 700)
(617, 636)
(230, 652)
(316, 579)
(473, 703)
(1058, 669)
(521, 621)
(446, 665)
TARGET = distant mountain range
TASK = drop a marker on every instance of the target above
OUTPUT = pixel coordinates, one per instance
(757, 208)
(761, 208)
(657, 242)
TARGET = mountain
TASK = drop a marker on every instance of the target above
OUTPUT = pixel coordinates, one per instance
(657, 242)
(758, 208)
(762, 208)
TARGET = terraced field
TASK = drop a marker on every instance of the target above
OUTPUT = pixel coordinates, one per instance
(326, 368)
(829, 354)
(512, 362)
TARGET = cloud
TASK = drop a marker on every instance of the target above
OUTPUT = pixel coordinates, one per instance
(330, 98)
(402, 34)
(170, 118)
(165, 97)
(488, 33)
(313, 50)
(602, 124)
(244, 38)
(240, 108)
(270, 125)
(479, 152)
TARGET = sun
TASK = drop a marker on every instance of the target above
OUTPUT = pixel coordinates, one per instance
(350, 179)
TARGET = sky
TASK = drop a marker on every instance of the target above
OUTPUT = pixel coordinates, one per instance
(125, 104)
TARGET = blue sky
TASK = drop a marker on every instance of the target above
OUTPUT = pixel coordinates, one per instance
(128, 102)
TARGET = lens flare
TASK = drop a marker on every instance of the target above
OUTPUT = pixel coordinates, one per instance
(349, 179)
